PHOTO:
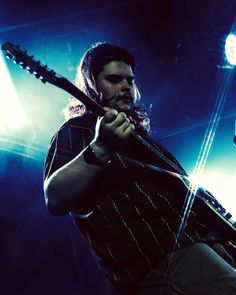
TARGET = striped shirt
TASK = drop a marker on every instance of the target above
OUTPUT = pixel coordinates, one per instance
(136, 223)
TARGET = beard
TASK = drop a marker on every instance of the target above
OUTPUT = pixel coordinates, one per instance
(122, 103)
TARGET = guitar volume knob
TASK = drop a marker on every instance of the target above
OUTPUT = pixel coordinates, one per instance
(228, 216)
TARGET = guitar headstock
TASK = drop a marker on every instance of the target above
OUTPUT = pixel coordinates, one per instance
(44, 74)
(28, 63)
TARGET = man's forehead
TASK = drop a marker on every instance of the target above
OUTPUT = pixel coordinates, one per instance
(117, 67)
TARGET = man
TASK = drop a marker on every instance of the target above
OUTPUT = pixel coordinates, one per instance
(128, 212)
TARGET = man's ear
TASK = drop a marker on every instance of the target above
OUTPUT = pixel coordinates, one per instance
(137, 95)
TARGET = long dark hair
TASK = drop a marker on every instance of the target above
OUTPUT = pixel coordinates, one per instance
(90, 66)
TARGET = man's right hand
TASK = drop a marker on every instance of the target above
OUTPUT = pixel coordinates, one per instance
(112, 133)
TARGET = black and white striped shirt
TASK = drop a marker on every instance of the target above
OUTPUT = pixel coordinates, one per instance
(135, 224)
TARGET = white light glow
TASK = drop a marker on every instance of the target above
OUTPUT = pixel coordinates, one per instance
(230, 49)
(222, 186)
(11, 114)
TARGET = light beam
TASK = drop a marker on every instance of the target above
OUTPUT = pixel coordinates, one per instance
(11, 113)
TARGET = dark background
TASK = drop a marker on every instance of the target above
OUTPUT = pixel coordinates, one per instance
(178, 46)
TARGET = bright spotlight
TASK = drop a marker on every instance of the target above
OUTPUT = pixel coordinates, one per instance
(230, 49)
(11, 114)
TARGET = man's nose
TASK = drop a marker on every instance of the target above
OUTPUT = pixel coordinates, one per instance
(125, 84)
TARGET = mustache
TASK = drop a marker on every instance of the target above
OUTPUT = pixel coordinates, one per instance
(125, 96)
(121, 97)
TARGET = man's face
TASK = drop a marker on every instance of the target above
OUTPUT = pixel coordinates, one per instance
(116, 84)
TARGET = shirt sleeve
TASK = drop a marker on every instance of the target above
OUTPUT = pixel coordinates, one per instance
(65, 145)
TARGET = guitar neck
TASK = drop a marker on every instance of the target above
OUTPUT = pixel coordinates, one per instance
(91, 104)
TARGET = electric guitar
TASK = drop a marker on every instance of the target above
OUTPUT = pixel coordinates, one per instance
(215, 215)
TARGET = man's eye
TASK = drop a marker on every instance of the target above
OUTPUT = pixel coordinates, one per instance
(114, 78)
(130, 80)
(117, 79)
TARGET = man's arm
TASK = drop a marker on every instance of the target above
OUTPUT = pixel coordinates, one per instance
(73, 186)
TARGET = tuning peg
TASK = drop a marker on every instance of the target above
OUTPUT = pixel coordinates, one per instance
(16, 61)
(9, 56)
(52, 73)
(37, 75)
(42, 80)
(23, 65)
(29, 70)
(37, 65)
